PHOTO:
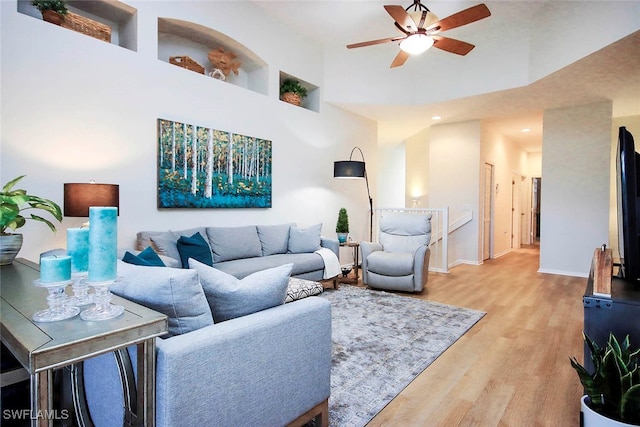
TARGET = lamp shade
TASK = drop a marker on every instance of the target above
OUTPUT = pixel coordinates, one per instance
(348, 169)
(78, 197)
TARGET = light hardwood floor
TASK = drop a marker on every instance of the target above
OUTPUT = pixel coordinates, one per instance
(512, 368)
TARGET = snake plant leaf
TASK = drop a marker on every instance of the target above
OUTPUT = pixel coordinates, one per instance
(631, 405)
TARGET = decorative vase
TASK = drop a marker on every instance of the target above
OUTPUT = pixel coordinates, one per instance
(291, 98)
(342, 237)
(52, 16)
(591, 418)
(10, 245)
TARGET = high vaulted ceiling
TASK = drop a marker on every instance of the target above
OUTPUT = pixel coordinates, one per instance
(609, 73)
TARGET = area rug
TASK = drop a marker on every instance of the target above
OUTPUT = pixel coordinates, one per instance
(381, 342)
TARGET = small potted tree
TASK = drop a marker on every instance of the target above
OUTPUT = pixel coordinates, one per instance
(292, 91)
(613, 390)
(12, 203)
(52, 10)
(342, 226)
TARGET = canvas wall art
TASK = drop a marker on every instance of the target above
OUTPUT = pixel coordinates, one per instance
(200, 167)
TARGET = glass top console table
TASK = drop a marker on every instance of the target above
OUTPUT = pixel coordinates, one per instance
(42, 347)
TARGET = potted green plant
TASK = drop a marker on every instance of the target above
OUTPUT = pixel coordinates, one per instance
(12, 204)
(292, 91)
(613, 389)
(342, 226)
(52, 10)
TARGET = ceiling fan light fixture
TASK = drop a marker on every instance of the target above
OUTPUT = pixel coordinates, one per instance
(416, 44)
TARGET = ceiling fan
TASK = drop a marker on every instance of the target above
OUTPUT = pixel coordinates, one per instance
(420, 27)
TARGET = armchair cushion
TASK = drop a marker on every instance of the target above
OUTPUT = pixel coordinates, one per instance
(391, 263)
(229, 297)
(404, 232)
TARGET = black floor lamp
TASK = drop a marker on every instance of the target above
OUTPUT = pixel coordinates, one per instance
(353, 169)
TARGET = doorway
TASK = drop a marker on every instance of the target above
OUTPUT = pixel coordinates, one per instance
(536, 192)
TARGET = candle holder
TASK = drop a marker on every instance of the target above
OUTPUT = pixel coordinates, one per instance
(81, 295)
(103, 309)
(58, 310)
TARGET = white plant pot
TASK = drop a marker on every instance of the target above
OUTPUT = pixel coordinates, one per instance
(590, 418)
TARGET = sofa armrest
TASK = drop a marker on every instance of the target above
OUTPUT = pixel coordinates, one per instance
(267, 368)
(421, 267)
(332, 244)
(366, 248)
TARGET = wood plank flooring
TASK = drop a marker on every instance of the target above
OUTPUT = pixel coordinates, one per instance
(512, 368)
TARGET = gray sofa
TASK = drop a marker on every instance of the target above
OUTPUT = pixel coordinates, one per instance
(269, 366)
(243, 250)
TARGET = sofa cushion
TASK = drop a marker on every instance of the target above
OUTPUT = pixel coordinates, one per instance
(274, 238)
(175, 292)
(390, 263)
(234, 242)
(303, 240)
(229, 297)
(165, 242)
(147, 257)
(302, 263)
(195, 247)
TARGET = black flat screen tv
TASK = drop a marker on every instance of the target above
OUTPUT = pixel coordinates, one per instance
(628, 185)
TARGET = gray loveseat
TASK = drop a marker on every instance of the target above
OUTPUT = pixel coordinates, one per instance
(271, 367)
(243, 250)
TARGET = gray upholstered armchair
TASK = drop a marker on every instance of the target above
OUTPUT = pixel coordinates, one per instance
(400, 261)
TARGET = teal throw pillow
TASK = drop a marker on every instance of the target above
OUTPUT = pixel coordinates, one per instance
(147, 258)
(194, 247)
(229, 297)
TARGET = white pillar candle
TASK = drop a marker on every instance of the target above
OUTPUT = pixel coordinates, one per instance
(103, 240)
(78, 249)
(55, 269)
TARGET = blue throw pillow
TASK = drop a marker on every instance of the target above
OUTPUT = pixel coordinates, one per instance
(147, 258)
(194, 247)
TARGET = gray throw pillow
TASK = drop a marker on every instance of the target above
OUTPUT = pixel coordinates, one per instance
(228, 243)
(230, 297)
(304, 240)
(274, 238)
(177, 293)
(165, 242)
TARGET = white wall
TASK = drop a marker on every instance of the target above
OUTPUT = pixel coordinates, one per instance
(417, 172)
(575, 197)
(454, 171)
(74, 109)
(391, 177)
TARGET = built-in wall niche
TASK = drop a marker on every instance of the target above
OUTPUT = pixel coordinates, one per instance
(178, 38)
(120, 17)
(312, 100)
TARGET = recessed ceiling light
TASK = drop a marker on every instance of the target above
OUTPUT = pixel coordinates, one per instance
(436, 118)
(526, 130)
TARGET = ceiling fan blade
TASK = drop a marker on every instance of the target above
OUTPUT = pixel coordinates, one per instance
(374, 42)
(401, 17)
(452, 45)
(400, 59)
(459, 19)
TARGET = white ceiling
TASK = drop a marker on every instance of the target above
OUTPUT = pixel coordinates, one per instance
(612, 73)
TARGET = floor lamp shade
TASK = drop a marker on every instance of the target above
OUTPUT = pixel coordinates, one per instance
(348, 169)
(78, 197)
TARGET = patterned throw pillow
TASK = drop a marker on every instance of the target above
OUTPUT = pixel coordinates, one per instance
(301, 288)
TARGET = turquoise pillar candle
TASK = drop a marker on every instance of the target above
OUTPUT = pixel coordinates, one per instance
(103, 240)
(55, 269)
(78, 249)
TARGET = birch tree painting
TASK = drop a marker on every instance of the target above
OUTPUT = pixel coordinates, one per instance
(200, 167)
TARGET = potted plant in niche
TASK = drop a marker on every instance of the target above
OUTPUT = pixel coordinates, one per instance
(52, 10)
(613, 390)
(12, 203)
(342, 226)
(292, 91)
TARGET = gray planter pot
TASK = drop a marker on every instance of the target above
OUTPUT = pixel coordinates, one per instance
(10, 245)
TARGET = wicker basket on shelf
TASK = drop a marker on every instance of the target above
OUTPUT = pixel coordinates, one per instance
(187, 63)
(87, 26)
(291, 98)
